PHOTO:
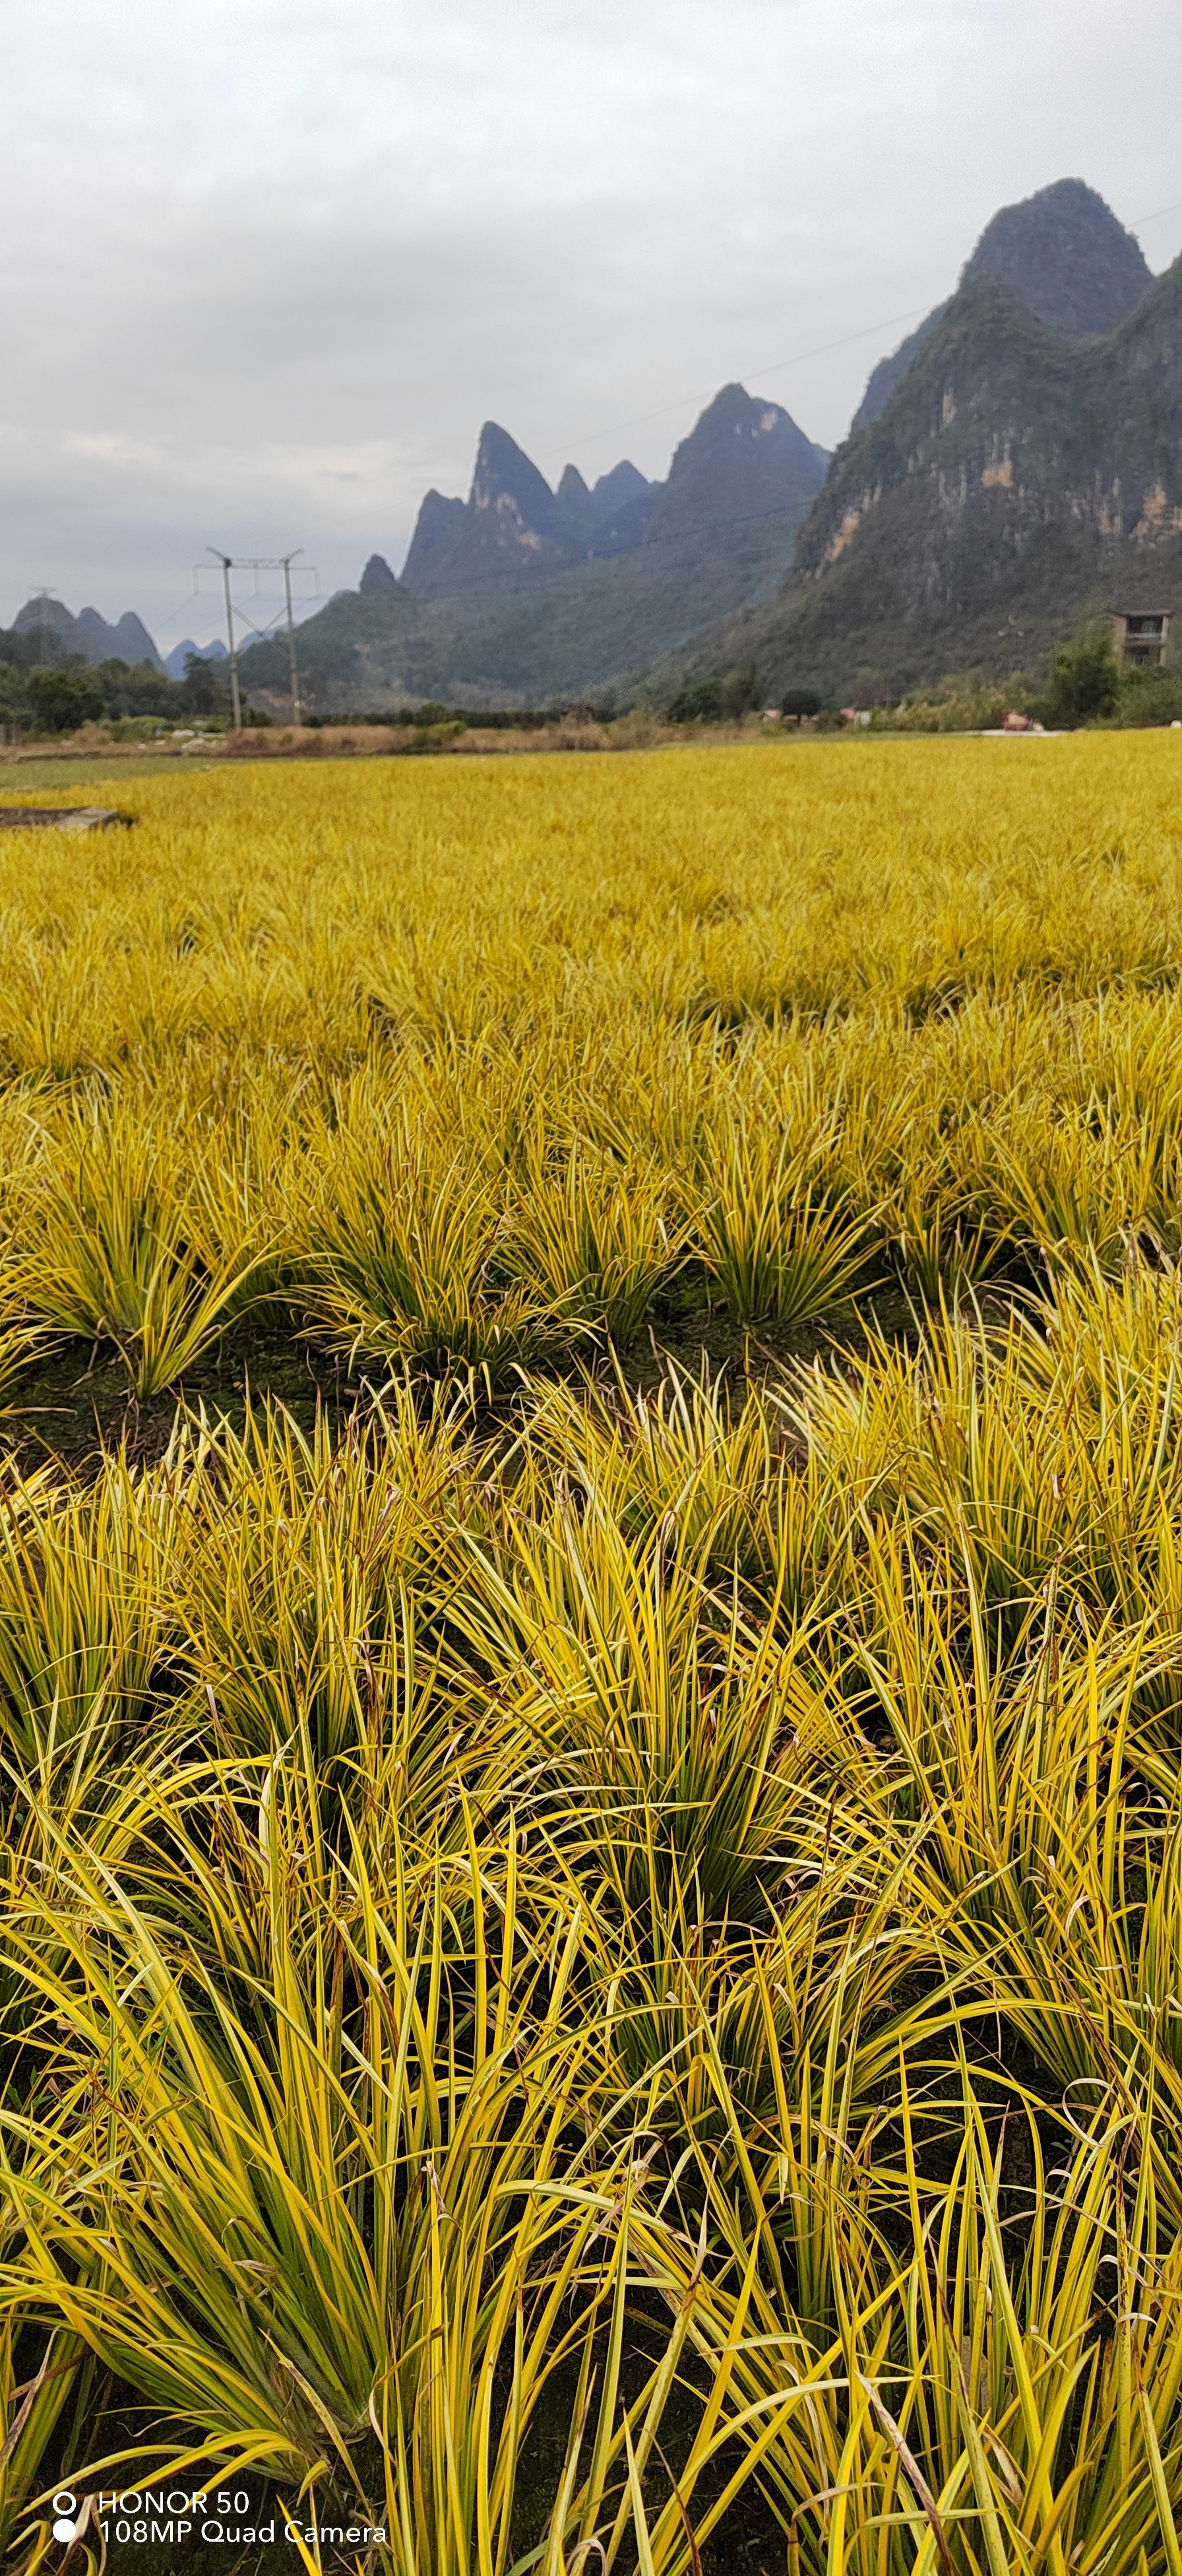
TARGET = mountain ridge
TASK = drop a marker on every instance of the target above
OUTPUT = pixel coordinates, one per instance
(88, 634)
(1018, 454)
(176, 659)
(1013, 481)
(521, 592)
(513, 523)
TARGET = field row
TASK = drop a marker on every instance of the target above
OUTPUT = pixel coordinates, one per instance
(495, 1203)
(628, 1992)
(286, 912)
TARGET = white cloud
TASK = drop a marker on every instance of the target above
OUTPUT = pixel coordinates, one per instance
(278, 263)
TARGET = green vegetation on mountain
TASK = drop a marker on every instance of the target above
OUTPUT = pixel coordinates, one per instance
(1062, 254)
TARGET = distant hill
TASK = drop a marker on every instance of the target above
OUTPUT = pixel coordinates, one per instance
(520, 593)
(174, 662)
(743, 458)
(88, 634)
(377, 580)
(512, 522)
(1017, 478)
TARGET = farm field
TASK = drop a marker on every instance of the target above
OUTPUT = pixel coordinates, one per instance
(591, 1665)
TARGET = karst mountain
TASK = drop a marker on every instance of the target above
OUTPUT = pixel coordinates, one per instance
(522, 592)
(1014, 467)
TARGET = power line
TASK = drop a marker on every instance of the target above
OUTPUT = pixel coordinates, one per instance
(762, 367)
(1158, 212)
(174, 613)
(801, 357)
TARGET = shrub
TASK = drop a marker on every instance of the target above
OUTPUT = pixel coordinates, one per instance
(1086, 682)
(1150, 698)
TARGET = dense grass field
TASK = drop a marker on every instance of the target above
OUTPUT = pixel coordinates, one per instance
(591, 1665)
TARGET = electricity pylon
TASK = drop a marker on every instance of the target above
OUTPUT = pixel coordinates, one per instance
(258, 564)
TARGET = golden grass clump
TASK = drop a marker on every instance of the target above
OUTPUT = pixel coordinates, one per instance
(592, 1939)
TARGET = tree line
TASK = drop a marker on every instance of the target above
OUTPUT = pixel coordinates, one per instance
(44, 690)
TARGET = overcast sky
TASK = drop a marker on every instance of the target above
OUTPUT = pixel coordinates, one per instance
(269, 264)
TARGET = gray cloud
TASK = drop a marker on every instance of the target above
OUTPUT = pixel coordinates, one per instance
(277, 264)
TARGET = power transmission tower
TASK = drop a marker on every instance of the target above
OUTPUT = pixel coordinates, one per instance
(227, 564)
(288, 560)
(257, 564)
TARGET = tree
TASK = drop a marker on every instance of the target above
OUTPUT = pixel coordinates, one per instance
(62, 700)
(800, 702)
(14, 701)
(1086, 682)
(697, 702)
(741, 691)
(206, 686)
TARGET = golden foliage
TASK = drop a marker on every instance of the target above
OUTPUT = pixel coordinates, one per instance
(596, 1973)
